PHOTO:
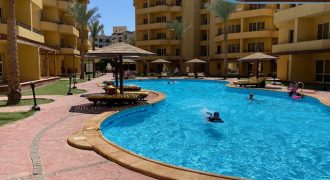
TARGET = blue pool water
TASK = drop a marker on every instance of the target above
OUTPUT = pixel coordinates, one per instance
(274, 137)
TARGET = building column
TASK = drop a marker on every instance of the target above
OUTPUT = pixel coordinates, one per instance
(47, 64)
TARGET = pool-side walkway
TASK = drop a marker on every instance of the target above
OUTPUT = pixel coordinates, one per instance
(38, 145)
(37, 148)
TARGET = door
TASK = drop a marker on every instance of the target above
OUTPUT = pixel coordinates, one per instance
(1, 68)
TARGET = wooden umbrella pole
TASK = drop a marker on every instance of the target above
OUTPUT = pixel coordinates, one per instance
(121, 74)
(257, 70)
(116, 71)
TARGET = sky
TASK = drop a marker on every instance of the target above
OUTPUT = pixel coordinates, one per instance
(115, 13)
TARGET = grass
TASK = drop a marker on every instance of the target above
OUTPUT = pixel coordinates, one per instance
(14, 116)
(57, 88)
(27, 102)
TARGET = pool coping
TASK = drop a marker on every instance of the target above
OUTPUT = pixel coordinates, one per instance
(91, 138)
(318, 97)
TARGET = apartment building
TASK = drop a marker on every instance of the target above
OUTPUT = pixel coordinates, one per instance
(102, 40)
(251, 29)
(48, 39)
(304, 42)
(122, 33)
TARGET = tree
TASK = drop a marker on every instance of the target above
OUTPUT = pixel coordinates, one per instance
(179, 29)
(82, 15)
(12, 69)
(95, 29)
(223, 10)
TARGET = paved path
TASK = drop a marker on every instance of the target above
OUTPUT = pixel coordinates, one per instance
(36, 148)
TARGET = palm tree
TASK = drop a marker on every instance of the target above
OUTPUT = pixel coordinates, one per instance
(95, 29)
(179, 28)
(13, 77)
(223, 9)
(81, 14)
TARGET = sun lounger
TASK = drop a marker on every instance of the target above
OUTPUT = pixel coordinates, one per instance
(163, 75)
(115, 99)
(260, 83)
(200, 75)
(192, 75)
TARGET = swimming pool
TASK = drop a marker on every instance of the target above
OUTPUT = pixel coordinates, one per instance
(274, 137)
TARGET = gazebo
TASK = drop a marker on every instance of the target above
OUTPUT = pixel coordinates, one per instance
(258, 57)
(118, 51)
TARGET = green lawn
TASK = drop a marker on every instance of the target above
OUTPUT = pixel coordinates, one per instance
(57, 88)
(15, 116)
(27, 102)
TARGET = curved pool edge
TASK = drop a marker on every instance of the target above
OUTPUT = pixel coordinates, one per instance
(91, 138)
(319, 98)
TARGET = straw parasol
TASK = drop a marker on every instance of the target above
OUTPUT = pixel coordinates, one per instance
(119, 50)
(258, 57)
(129, 61)
(160, 61)
(195, 61)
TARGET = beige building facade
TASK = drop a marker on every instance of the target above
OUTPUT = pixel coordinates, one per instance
(48, 39)
(304, 42)
(251, 29)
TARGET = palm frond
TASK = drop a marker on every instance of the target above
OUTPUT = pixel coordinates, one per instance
(178, 27)
(221, 8)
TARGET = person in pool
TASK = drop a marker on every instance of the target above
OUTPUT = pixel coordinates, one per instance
(251, 98)
(215, 117)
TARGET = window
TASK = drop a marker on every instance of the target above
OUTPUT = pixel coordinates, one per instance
(258, 26)
(236, 28)
(160, 2)
(203, 51)
(145, 36)
(203, 37)
(256, 47)
(323, 31)
(291, 36)
(145, 21)
(145, 5)
(219, 49)
(177, 52)
(1, 67)
(257, 6)
(0, 15)
(179, 18)
(161, 35)
(292, 5)
(161, 52)
(322, 70)
(178, 2)
(233, 48)
(107, 40)
(161, 19)
(220, 31)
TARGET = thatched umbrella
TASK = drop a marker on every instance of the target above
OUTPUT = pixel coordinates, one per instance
(195, 61)
(258, 57)
(160, 61)
(129, 61)
(120, 50)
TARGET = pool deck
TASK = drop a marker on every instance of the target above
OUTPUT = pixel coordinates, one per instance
(37, 148)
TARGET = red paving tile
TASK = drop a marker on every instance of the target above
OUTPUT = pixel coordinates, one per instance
(55, 154)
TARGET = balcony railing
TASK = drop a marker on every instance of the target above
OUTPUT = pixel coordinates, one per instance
(25, 26)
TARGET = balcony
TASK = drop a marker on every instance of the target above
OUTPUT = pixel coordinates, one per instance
(249, 35)
(302, 46)
(248, 14)
(52, 3)
(37, 3)
(64, 4)
(305, 10)
(157, 42)
(53, 26)
(25, 31)
(162, 25)
(68, 29)
(69, 51)
(159, 8)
